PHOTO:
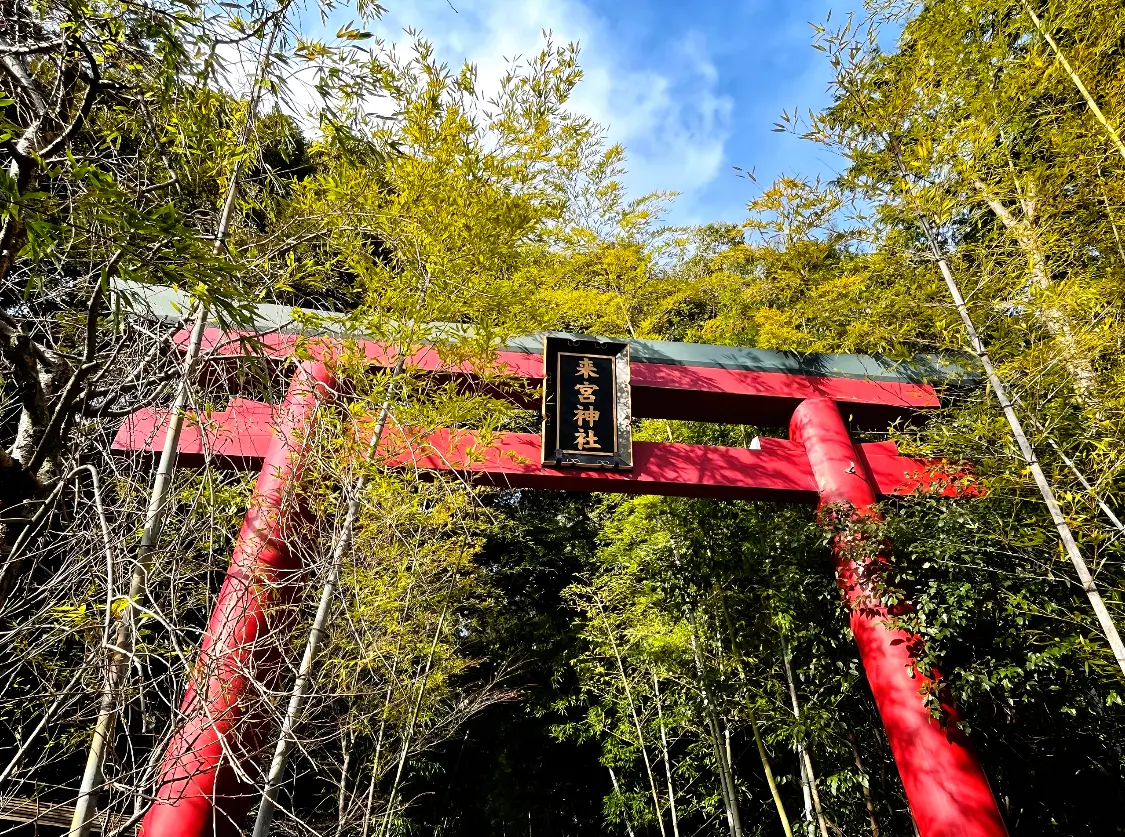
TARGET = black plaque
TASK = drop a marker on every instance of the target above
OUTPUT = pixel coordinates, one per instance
(587, 420)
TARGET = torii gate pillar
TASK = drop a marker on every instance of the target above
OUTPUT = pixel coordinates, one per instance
(945, 784)
(199, 792)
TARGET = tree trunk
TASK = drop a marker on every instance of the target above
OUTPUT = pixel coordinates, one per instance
(52, 121)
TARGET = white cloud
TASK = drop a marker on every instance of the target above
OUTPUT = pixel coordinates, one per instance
(664, 108)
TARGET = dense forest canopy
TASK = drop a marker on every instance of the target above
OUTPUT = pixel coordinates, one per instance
(511, 662)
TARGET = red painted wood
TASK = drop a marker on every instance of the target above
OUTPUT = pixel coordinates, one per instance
(241, 435)
(665, 391)
(945, 784)
(766, 399)
(199, 793)
(238, 436)
(512, 460)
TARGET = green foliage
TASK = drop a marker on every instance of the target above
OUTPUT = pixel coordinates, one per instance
(502, 661)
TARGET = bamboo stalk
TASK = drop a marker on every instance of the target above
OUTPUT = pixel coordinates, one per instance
(633, 713)
(730, 802)
(1105, 620)
(726, 779)
(286, 739)
(770, 780)
(863, 783)
(346, 745)
(806, 793)
(617, 790)
(1070, 545)
(1106, 510)
(121, 656)
(667, 759)
(1109, 628)
(121, 653)
(376, 759)
(1074, 77)
(802, 749)
(374, 772)
(34, 734)
(408, 737)
(818, 809)
(722, 760)
(806, 796)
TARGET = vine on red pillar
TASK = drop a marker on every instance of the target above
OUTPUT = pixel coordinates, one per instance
(867, 578)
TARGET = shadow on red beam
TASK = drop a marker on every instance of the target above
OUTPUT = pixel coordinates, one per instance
(511, 460)
(239, 436)
(682, 392)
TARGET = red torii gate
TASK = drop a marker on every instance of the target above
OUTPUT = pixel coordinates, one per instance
(199, 792)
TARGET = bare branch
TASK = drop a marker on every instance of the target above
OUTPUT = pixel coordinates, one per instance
(93, 85)
(31, 49)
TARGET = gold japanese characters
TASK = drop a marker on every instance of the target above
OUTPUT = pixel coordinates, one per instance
(586, 404)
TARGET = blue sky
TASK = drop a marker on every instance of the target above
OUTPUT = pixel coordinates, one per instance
(690, 88)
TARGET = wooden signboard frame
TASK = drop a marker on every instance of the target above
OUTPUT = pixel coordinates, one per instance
(587, 403)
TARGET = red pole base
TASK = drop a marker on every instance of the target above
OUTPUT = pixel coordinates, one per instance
(201, 790)
(944, 782)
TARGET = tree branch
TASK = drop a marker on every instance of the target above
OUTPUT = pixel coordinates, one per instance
(51, 438)
(93, 85)
(1002, 212)
(31, 49)
(13, 66)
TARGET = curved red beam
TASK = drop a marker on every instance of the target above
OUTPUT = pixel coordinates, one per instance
(668, 389)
